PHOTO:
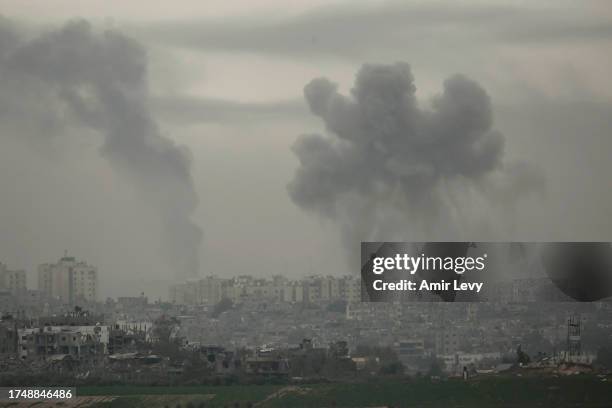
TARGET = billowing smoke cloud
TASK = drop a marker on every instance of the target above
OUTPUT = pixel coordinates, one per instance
(101, 80)
(390, 169)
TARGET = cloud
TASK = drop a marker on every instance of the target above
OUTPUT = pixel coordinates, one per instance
(75, 76)
(185, 110)
(352, 30)
(391, 169)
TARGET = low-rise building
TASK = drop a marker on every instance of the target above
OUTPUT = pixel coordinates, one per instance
(80, 342)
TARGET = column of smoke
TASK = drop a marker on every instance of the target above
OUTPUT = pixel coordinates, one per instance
(389, 169)
(102, 79)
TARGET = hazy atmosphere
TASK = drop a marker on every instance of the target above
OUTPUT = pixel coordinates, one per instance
(164, 142)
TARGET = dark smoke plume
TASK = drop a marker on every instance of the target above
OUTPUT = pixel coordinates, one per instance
(390, 169)
(101, 80)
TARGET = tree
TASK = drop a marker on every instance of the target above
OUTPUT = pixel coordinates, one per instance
(595, 337)
(223, 305)
(385, 355)
(435, 367)
(521, 356)
(604, 357)
(537, 343)
(166, 345)
(164, 327)
(395, 368)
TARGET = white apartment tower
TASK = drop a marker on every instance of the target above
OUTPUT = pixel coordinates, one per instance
(69, 280)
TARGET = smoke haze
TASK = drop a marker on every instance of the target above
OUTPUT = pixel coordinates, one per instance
(100, 80)
(393, 170)
(94, 116)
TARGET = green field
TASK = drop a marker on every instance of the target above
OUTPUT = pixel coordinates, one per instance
(508, 392)
(152, 397)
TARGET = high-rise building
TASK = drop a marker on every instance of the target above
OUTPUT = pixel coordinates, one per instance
(204, 291)
(349, 289)
(209, 290)
(293, 291)
(69, 280)
(12, 281)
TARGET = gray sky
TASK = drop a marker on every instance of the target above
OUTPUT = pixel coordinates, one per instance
(226, 80)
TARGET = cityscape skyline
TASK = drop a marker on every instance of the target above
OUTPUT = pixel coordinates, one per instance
(315, 203)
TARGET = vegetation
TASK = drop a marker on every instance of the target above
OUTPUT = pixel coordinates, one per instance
(223, 305)
(521, 356)
(604, 357)
(583, 391)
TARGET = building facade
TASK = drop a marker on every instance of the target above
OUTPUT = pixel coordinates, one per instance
(69, 280)
(211, 289)
(12, 281)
